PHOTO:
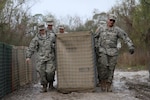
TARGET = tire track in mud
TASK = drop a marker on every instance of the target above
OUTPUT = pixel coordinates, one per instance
(142, 89)
(126, 86)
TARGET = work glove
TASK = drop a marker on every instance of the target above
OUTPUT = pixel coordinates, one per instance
(131, 50)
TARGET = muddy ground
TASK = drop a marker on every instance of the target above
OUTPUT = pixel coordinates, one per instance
(126, 86)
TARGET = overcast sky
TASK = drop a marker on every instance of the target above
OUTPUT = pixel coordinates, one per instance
(61, 8)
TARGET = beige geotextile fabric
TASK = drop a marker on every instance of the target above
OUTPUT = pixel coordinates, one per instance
(75, 62)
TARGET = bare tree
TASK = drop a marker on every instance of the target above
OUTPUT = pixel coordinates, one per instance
(14, 18)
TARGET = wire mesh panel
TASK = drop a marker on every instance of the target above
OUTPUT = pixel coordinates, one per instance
(1, 70)
(26, 70)
(15, 69)
(8, 68)
(75, 62)
(34, 72)
(5, 69)
(22, 67)
(30, 69)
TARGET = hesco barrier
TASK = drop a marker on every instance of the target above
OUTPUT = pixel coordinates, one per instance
(75, 62)
(14, 71)
(5, 69)
(24, 69)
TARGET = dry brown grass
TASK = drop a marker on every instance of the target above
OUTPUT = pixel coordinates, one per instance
(141, 58)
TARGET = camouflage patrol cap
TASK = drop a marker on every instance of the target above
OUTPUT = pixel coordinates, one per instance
(49, 21)
(41, 26)
(112, 16)
(61, 26)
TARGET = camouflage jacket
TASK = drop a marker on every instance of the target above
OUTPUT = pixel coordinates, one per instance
(42, 46)
(108, 37)
(53, 35)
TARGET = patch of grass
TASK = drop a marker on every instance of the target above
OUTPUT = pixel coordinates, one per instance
(132, 68)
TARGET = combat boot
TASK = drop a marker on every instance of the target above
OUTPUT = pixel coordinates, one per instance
(103, 86)
(109, 87)
(44, 89)
(98, 84)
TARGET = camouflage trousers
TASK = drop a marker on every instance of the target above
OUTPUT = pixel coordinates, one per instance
(54, 57)
(46, 70)
(96, 61)
(106, 66)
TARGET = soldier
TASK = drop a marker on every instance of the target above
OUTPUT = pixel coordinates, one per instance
(108, 36)
(42, 44)
(61, 29)
(50, 30)
(50, 25)
(102, 24)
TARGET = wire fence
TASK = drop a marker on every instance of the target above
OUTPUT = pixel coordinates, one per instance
(14, 71)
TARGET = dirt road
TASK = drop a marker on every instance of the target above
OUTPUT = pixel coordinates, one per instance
(126, 86)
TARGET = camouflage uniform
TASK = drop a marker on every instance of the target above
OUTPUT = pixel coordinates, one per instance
(42, 46)
(101, 25)
(108, 51)
(51, 31)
